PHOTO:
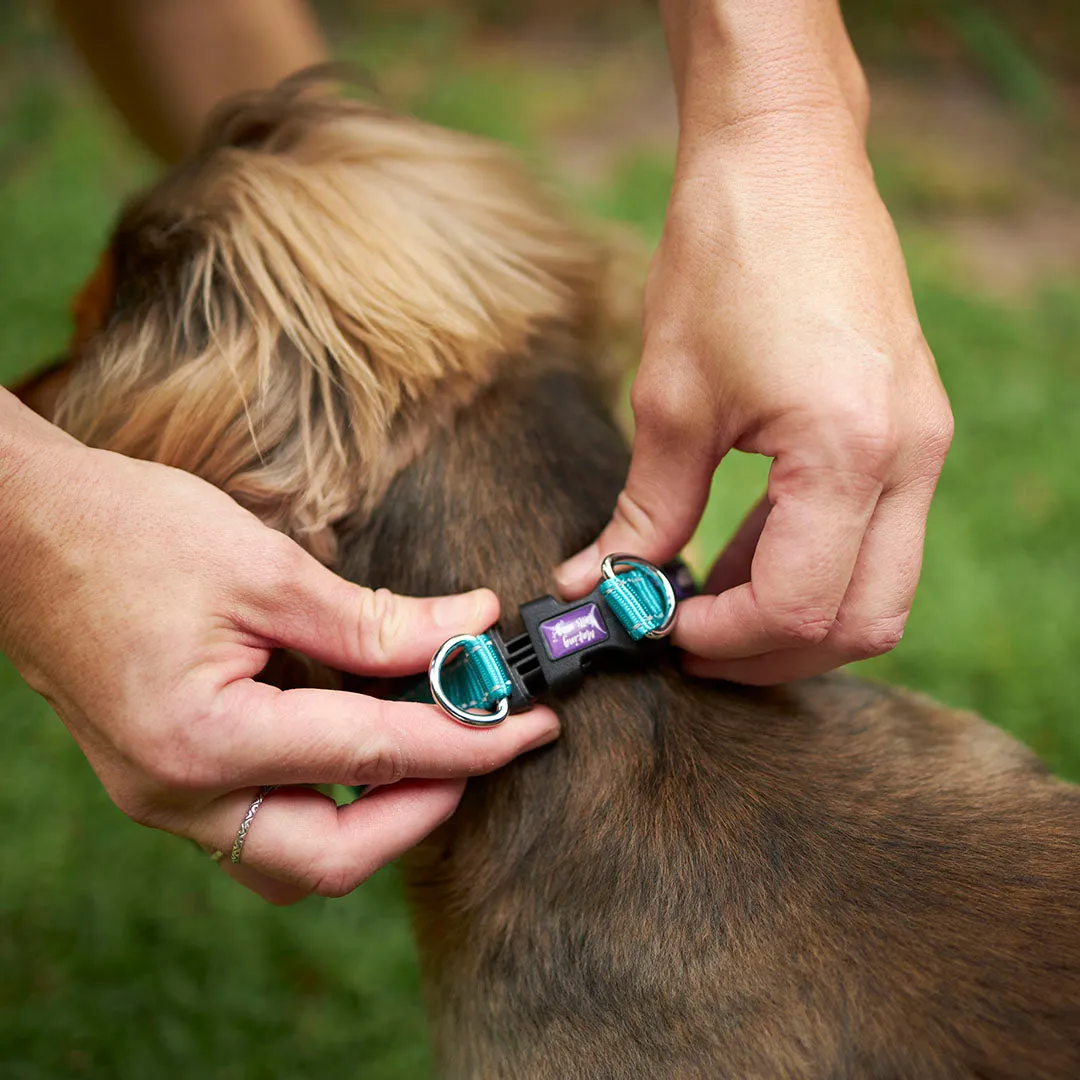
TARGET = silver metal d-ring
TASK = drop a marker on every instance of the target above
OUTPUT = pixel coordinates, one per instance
(473, 719)
(607, 569)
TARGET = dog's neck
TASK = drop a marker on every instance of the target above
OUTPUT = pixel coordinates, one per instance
(526, 476)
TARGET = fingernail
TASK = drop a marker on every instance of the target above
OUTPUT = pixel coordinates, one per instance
(459, 612)
(580, 566)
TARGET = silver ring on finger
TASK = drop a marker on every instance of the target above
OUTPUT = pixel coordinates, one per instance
(249, 817)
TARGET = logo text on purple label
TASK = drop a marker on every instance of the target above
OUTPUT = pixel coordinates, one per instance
(573, 631)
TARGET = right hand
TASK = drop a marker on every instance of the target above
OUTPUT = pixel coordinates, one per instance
(141, 602)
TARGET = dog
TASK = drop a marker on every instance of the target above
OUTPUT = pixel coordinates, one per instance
(383, 339)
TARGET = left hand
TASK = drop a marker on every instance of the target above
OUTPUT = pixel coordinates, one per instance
(779, 320)
(142, 603)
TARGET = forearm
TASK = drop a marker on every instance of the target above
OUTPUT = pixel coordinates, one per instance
(37, 461)
(24, 436)
(166, 63)
(749, 62)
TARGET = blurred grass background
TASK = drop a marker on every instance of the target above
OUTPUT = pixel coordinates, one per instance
(122, 953)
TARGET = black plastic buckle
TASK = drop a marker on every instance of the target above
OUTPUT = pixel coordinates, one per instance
(563, 640)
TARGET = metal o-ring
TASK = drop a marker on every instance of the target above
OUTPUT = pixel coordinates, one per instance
(607, 569)
(472, 719)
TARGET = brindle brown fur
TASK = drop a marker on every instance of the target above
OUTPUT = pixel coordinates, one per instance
(832, 879)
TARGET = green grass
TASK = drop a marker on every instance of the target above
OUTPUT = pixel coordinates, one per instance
(124, 954)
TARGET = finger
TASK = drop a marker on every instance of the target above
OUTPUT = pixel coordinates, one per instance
(801, 569)
(657, 511)
(309, 608)
(302, 839)
(263, 735)
(733, 566)
(872, 616)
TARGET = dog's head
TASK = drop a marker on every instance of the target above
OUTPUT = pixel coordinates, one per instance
(289, 313)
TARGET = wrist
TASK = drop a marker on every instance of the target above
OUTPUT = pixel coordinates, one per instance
(780, 166)
(744, 64)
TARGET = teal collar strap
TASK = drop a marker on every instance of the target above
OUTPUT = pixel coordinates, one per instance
(479, 680)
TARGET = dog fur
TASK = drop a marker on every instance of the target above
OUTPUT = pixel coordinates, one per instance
(378, 336)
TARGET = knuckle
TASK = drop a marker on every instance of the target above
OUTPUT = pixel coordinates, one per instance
(869, 436)
(381, 760)
(380, 623)
(637, 518)
(165, 767)
(334, 877)
(177, 760)
(874, 639)
(667, 406)
(855, 444)
(938, 433)
(801, 628)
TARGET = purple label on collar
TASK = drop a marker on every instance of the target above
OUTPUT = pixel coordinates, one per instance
(573, 631)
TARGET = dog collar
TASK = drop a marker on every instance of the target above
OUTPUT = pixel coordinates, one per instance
(479, 680)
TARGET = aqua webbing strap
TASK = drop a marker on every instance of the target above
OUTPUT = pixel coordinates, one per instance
(637, 600)
(476, 678)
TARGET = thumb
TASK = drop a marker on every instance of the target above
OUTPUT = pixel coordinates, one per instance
(354, 628)
(657, 511)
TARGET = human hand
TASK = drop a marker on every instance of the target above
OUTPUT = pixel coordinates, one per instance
(141, 602)
(779, 320)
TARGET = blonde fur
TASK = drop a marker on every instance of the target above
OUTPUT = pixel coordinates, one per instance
(293, 302)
